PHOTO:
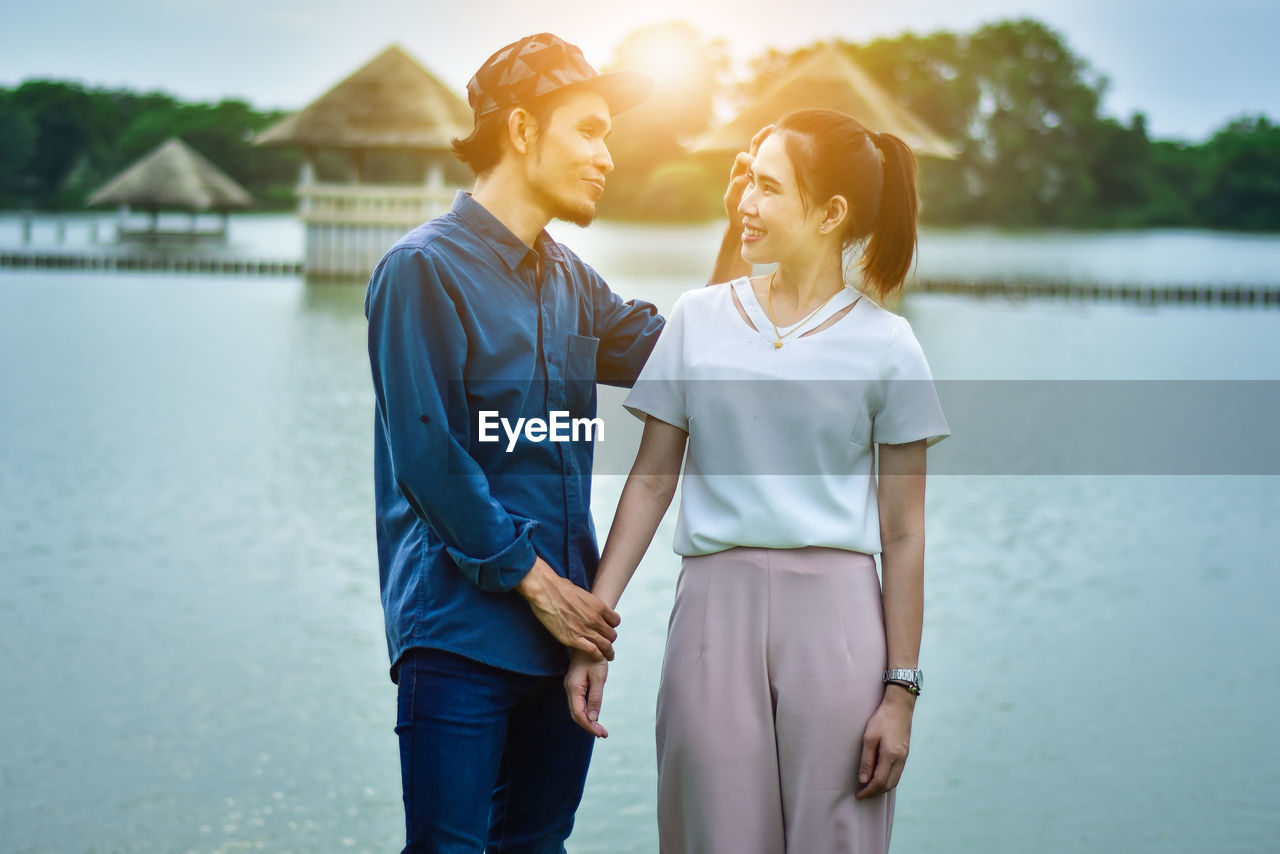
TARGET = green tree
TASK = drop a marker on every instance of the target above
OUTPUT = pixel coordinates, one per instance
(927, 75)
(1036, 117)
(1021, 110)
(17, 145)
(222, 132)
(62, 115)
(1177, 185)
(1242, 178)
(61, 141)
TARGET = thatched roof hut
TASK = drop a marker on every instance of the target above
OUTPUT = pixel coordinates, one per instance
(173, 177)
(829, 80)
(390, 103)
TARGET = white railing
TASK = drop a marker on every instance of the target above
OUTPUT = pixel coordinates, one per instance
(370, 204)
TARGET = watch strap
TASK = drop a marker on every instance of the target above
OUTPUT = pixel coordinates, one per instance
(909, 678)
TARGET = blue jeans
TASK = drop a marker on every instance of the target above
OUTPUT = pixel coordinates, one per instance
(489, 758)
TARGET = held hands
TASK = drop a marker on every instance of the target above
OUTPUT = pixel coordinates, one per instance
(885, 743)
(584, 683)
(738, 176)
(575, 617)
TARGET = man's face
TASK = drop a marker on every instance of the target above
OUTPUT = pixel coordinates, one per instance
(567, 166)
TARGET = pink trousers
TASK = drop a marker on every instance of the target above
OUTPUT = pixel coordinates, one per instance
(772, 669)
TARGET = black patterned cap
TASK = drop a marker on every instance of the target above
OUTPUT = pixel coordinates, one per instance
(540, 64)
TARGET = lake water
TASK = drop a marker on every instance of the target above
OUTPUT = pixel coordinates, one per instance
(191, 645)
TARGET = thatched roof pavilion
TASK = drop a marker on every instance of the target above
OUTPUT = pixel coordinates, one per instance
(391, 102)
(377, 160)
(173, 177)
(830, 80)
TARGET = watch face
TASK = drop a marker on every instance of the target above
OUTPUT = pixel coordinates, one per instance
(919, 678)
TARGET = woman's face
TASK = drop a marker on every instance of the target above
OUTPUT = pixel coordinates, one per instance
(775, 223)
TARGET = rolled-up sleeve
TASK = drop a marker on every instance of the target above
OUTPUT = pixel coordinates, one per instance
(417, 352)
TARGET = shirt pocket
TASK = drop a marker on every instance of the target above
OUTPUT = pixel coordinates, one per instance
(580, 376)
(862, 433)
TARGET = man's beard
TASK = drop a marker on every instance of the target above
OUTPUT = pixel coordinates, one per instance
(580, 216)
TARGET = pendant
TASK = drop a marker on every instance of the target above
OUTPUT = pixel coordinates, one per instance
(777, 345)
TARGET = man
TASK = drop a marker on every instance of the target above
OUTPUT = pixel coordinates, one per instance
(486, 548)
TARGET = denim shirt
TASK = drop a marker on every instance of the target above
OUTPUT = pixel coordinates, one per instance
(459, 323)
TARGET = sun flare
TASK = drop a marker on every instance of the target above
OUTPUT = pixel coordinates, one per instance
(669, 53)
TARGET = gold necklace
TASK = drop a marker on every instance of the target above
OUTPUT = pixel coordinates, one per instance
(777, 345)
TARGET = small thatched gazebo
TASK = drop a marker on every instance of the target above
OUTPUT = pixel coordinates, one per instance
(377, 160)
(828, 79)
(173, 177)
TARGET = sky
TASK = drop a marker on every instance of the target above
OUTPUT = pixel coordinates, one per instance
(1190, 67)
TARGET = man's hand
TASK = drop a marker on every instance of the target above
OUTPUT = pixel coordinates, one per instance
(584, 683)
(574, 617)
(885, 743)
(738, 177)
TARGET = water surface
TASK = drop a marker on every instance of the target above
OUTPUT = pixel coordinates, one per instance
(193, 656)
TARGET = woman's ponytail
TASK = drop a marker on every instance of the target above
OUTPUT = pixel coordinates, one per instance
(887, 257)
(834, 154)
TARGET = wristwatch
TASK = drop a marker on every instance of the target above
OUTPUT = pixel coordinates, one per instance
(912, 680)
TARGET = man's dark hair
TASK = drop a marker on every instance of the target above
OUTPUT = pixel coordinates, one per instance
(482, 150)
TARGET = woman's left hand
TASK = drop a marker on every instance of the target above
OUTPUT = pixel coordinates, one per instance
(584, 685)
(885, 743)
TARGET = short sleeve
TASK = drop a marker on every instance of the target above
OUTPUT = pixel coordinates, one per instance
(659, 390)
(909, 408)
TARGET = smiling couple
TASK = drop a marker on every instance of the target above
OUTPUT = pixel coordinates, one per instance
(790, 678)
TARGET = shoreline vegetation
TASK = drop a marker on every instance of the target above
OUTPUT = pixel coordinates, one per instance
(1020, 108)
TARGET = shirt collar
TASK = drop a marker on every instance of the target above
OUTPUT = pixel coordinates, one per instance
(511, 249)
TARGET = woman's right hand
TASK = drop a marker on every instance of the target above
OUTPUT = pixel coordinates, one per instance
(584, 685)
(738, 176)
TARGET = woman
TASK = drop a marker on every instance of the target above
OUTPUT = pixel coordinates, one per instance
(777, 730)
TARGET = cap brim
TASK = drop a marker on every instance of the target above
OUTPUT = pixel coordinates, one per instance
(621, 89)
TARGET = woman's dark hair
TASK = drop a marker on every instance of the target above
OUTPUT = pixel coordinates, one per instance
(834, 155)
(482, 150)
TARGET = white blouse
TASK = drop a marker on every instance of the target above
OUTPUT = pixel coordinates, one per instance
(781, 440)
